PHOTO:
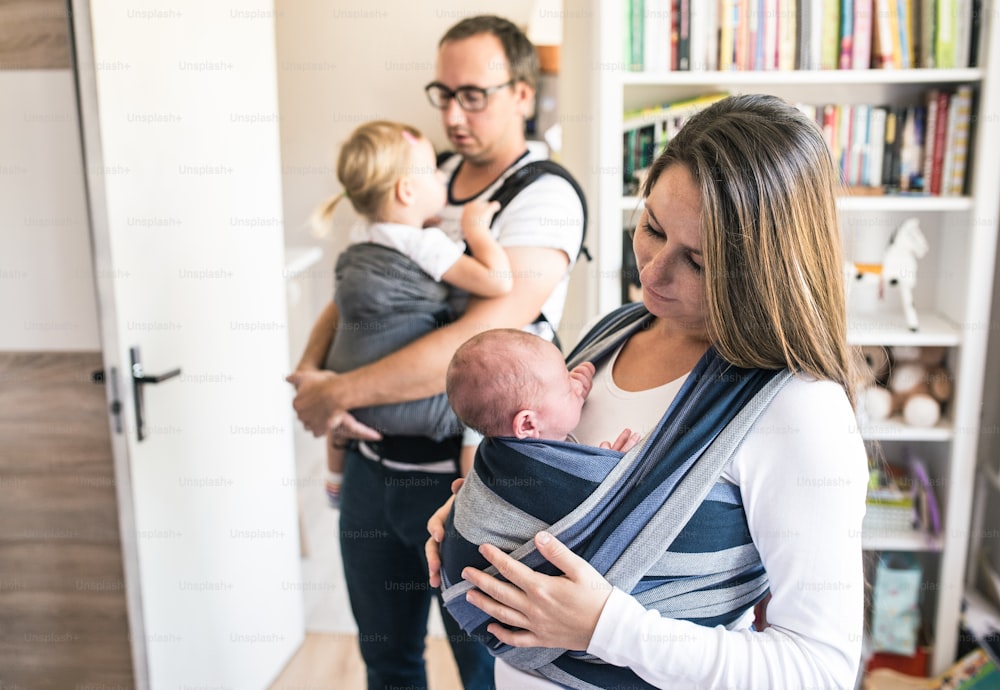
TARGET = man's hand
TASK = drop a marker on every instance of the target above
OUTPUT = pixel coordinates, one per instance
(317, 405)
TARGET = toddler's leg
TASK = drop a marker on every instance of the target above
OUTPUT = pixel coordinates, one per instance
(334, 471)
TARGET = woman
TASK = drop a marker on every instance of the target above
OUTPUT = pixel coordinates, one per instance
(739, 250)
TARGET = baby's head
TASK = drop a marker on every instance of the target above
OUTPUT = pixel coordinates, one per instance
(507, 382)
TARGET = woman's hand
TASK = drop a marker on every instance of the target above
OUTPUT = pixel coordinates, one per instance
(435, 525)
(551, 611)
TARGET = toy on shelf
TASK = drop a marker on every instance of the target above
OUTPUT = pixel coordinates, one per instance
(911, 383)
(898, 268)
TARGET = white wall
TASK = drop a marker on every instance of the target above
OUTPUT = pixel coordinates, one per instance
(47, 297)
(341, 64)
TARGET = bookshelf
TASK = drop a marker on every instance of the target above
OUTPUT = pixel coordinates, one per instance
(952, 295)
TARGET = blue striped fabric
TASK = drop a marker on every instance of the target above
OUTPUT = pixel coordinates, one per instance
(656, 521)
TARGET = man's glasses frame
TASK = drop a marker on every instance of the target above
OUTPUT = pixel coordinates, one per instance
(469, 98)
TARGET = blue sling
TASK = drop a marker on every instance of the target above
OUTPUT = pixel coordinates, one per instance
(656, 522)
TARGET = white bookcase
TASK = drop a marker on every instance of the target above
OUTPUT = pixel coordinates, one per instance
(954, 279)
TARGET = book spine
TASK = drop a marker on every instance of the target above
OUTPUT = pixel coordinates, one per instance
(927, 34)
(862, 45)
(637, 23)
(963, 31)
(975, 32)
(727, 16)
(958, 145)
(894, 29)
(788, 31)
(859, 139)
(944, 45)
(940, 140)
(769, 42)
(905, 8)
(930, 127)
(889, 146)
(675, 33)
(882, 39)
(846, 34)
(684, 36)
(876, 145)
(699, 30)
(830, 51)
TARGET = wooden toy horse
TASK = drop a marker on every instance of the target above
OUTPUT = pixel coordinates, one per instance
(898, 267)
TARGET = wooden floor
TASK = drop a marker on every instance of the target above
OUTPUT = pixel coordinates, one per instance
(333, 661)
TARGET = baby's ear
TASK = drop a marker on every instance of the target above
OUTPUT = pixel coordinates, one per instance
(524, 425)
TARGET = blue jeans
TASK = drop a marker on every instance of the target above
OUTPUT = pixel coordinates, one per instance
(383, 528)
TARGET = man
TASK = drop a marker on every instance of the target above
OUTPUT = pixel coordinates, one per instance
(484, 87)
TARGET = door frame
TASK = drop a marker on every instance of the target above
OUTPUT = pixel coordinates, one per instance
(115, 366)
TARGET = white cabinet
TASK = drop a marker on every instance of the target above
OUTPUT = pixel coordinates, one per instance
(954, 280)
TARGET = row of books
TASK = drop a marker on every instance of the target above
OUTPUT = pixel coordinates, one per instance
(698, 35)
(919, 148)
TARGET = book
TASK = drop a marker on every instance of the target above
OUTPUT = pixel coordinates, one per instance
(940, 138)
(944, 42)
(862, 44)
(656, 36)
(768, 42)
(684, 36)
(830, 49)
(787, 34)
(930, 126)
(846, 34)
(927, 34)
(958, 142)
(636, 22)
(728, 13)
(810, 33)
(911, 158)
(882, 35)
(876, 145)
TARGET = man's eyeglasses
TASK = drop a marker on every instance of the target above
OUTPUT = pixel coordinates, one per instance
(470, 98)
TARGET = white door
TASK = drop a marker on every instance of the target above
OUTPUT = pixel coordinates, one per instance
(180, 128)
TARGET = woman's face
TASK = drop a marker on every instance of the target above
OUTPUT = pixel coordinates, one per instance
(667, 245)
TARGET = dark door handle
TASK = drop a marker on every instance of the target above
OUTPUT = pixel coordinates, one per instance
(139, 379)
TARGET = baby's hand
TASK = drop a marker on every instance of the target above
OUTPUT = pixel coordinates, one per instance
(625, 442)
(477, 214)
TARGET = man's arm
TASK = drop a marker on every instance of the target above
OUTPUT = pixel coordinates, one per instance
(418, 369)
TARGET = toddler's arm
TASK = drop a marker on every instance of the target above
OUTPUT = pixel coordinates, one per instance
(487, 272)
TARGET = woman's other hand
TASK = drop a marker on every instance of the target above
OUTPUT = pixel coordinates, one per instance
(538, 610)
